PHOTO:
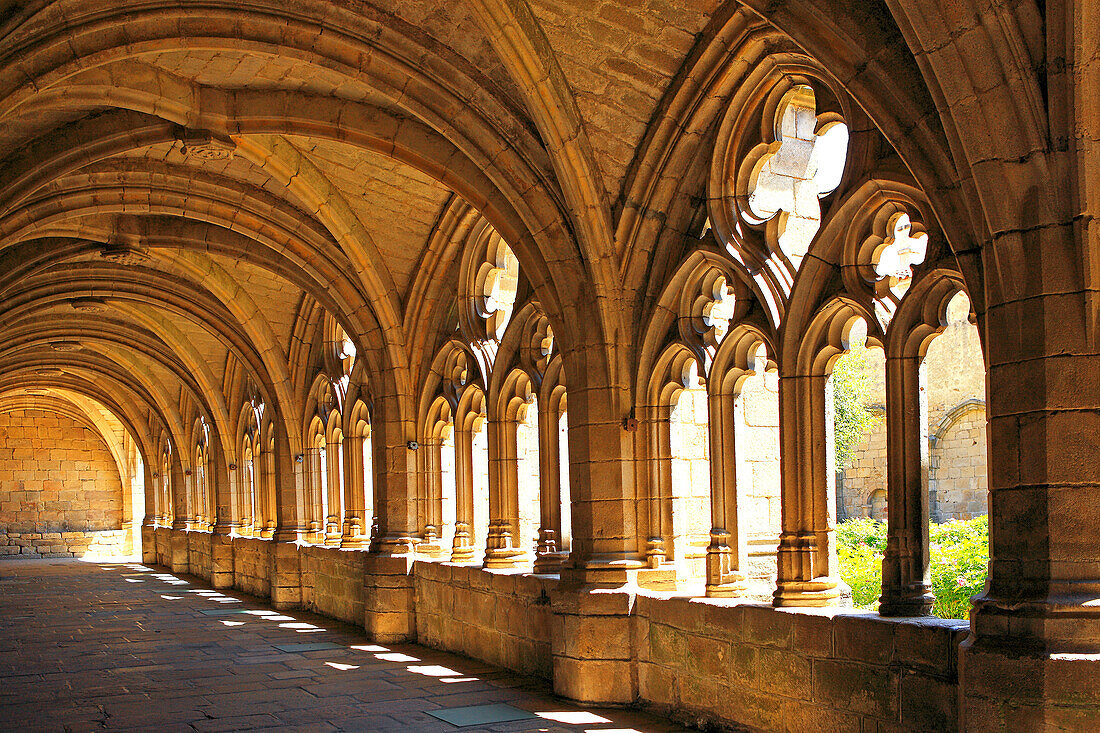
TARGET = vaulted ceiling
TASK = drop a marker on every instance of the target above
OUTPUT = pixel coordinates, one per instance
(184, 184)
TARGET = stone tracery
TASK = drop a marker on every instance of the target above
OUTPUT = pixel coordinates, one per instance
(789, 175)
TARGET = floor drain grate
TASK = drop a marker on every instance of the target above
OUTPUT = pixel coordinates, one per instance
(480, 715)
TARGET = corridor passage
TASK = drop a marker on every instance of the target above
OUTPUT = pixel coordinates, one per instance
(114, 646)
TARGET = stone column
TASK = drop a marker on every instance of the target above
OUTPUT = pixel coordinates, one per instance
(181, 503)
(548, 555)
(430, 496)
(354, 494)
(906, 580)
(149, 522)
(1032, 661)
(334, 486)
(806, 573)
(462, 548)
(501, 544)
(659, 537)
(395, 483)
(265, 483)
(290, 497)
(315, 485)
(727, 557)
(389, 609)
(222, 485)
(605, 543)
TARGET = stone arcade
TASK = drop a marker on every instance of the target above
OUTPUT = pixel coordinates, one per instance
(506, 327)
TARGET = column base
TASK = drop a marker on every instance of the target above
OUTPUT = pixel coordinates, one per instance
(462, 551)
(655, 554)
(504, 557)
(463, 555)
(734, 587)
(286, 575)
(288, 535)
(817, 593)
(604, 573)
(500, 552)
(723, 581)
(1011, 691)
(394, 546)
(550, 563)
(221, 561)
(592, 656)
(389, 613)
(906, 602)
(355, 542)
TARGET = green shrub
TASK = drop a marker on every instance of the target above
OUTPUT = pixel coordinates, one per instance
(860, 544)
(959, 553)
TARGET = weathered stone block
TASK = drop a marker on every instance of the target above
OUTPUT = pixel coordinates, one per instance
(766, 626)
(667, 645)
(596, 637)
(658, 684)
(593, 681)
(927, 644)
(866, 638)
(861, 688)
(928, 703)
(812, 632)
(749, 708)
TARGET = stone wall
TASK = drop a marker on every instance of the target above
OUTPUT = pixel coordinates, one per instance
(198, 554)
(160, 548)
(957, 482)
(60, 491)
(104, 543)
(864, 476)
(757, 435)
(714, 661)
(690, 469)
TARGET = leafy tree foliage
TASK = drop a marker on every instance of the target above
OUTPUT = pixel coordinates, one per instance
(853, 416)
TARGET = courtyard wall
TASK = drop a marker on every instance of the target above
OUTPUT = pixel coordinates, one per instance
(955, 390)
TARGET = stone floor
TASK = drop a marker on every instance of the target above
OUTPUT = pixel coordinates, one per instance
(115, 646)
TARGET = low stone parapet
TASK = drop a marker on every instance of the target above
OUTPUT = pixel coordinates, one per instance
(724, 662)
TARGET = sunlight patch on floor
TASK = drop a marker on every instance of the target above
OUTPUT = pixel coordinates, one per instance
(433, 670)
(342, 667)
(574, 717)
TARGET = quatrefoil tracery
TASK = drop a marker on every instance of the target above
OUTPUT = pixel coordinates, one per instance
(717, 311)
(899, 252)
(888, 255)
(787, 177)
(495, 288)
